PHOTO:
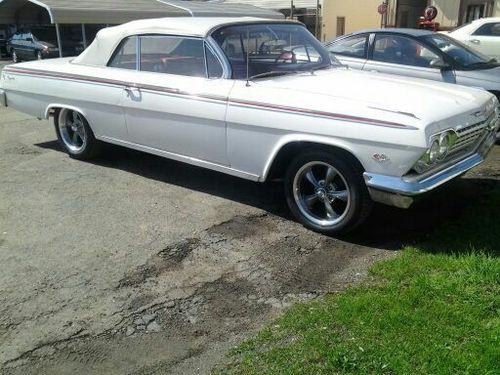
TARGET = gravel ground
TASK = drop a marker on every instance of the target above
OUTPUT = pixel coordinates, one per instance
(134, 264)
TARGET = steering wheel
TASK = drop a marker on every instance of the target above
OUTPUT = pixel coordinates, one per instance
(287, 57)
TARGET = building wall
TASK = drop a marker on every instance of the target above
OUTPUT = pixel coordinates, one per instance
(362, 14)
(359, 14)
(448, 12)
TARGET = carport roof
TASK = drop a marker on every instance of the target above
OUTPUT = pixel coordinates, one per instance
(120, 11)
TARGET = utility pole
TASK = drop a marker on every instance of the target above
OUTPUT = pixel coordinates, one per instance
(317, 28)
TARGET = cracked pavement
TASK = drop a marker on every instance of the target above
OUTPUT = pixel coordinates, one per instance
(133, 264)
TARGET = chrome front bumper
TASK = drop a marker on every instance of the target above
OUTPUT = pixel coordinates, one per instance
(3, 98)
(396, 191)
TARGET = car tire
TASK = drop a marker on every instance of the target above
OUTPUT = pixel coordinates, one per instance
(326, 192)
(75, 135)
(15, 58)
(39, 55)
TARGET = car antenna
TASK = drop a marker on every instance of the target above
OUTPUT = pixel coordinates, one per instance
(248, 57)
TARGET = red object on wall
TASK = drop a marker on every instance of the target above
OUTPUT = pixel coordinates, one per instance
(382, 8)
(427, 20)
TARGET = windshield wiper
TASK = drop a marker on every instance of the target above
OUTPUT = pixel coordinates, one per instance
(273, 73)
(482, 63)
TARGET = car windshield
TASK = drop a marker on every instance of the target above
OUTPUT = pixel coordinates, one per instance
(271, 49)
(45, 35)
(460, 53)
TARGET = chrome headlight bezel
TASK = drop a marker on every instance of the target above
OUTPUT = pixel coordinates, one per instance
(440, 145)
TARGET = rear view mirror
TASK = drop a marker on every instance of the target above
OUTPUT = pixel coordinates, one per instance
(439, 64)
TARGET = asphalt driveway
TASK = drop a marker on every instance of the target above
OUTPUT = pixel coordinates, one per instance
(133, 264)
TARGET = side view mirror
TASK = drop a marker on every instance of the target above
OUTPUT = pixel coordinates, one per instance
(439, 64)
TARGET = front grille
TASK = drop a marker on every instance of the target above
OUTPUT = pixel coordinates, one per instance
(470, 134)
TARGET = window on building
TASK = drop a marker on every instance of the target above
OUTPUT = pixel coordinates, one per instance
(125, 56)
(340, 26)
(353, 46)
(475, 12)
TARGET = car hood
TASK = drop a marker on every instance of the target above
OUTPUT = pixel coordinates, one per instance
(488, 75)
(409, 100)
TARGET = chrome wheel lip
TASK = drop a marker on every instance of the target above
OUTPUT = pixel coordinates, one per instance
(72, 130)
(302, 205)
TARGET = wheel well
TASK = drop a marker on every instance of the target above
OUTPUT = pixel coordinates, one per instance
(289, 151)
(54, 108)
(496, 93)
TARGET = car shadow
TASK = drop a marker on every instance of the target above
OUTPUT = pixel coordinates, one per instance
(387, 227)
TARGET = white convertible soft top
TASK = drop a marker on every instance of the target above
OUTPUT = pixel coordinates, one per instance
(106, 41)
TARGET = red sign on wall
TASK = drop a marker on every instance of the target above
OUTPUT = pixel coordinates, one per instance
(382, 8)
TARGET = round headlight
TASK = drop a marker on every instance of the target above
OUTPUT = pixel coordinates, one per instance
(444, 145)
(434, 151)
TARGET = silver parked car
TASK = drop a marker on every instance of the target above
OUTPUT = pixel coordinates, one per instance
(417, 53)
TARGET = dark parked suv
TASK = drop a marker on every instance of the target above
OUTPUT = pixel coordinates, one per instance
(39, 43)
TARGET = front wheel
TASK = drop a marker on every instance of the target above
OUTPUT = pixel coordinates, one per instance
(75, 134)
(326, 192)
(15, 58)
(39, 55)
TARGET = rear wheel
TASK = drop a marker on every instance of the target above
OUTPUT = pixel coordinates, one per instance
(15, 58)
(39, 55)
(75, 134)
(326, 192)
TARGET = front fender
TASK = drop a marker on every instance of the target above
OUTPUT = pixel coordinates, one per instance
(302, 138)
(388, 159)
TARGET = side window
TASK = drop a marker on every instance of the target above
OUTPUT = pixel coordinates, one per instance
(489, 29)
(173, 55)
(125, 56)
(353, 46)
(214, 68)
(401, 50)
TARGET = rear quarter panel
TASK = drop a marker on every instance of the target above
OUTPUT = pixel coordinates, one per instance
(36, 87)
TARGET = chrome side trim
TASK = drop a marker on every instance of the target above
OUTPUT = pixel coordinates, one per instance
(399, 185)
(181, 158)
(235, 102)
(310, 112)
(3, 98)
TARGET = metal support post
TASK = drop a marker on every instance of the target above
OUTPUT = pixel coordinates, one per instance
(59, 44)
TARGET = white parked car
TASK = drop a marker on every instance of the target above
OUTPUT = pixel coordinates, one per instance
(482, 34)
(260, 99)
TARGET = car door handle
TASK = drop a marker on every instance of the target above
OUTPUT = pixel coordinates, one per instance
(132, 91)
(475, 41)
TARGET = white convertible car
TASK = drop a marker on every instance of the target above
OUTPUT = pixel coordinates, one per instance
(261, 100)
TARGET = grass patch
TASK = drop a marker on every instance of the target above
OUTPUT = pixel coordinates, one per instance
(436, 310)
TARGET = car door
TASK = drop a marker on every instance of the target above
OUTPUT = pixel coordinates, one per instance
(486, 39)
(178, 100)
(21, 45)
(30, 53)
(351, 50)
(402, 55)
